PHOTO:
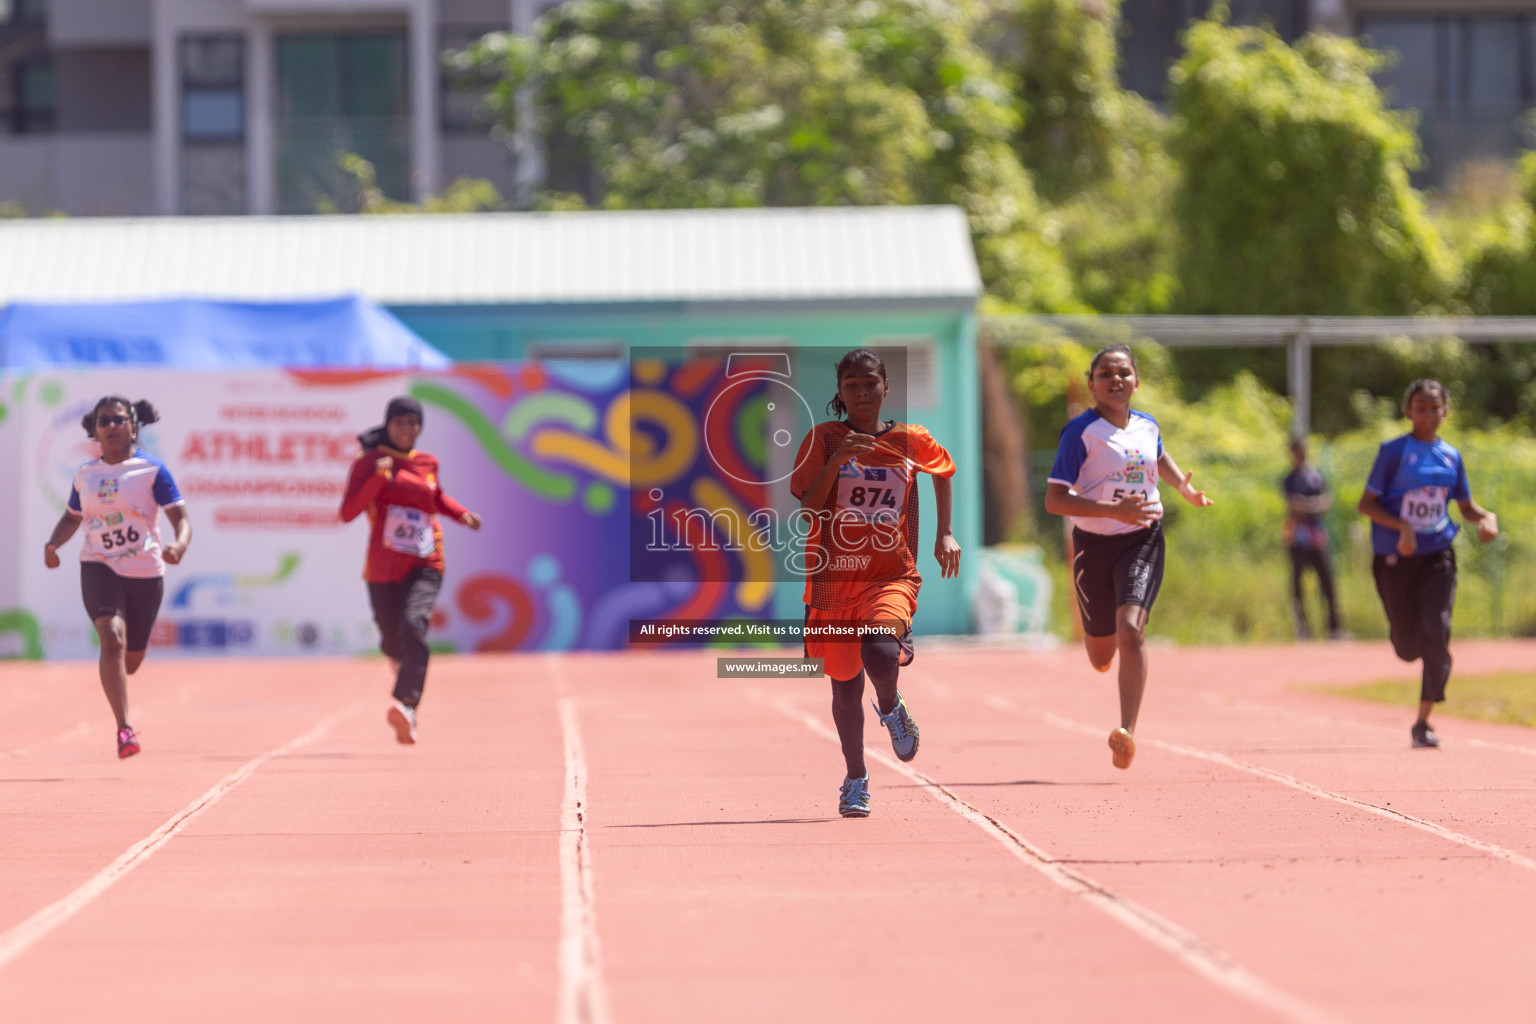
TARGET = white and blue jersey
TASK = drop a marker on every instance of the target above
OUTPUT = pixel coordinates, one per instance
(119, 508)
(1102, 462)
(1416, 481)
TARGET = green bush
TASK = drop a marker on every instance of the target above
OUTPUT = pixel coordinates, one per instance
(1294, 197)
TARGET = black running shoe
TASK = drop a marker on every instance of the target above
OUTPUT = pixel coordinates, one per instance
(1424, 736)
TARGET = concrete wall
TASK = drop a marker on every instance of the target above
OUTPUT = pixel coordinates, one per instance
(94, 174)
(99, 22)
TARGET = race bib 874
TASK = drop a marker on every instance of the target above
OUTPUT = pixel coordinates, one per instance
(871, 493)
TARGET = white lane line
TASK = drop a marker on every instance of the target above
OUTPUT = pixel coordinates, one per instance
(1517, 859)
(1255, 707)
(582, 998)
(26, 934)
(1189, 949)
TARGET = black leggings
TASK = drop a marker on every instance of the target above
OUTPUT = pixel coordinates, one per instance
(1303, 558)
(882, 656)
(1418, 593)
(403, 611)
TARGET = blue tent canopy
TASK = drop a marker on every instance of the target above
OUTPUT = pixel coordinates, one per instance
(204, 334)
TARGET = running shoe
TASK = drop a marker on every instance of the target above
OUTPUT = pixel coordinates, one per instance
(853, 798)
(902, 728)
(127, 742)
(403, 717)
(1122, 747)
(1424, 736)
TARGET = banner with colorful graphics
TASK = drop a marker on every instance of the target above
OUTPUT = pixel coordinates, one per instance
(542, 452)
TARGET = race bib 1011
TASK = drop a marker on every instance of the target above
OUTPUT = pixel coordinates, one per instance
(408, 531)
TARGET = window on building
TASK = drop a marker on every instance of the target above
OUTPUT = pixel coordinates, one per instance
(1469, 78)
(212, 88)
(23, 10)
(1151, 31)
(32, 96)
(340, 94)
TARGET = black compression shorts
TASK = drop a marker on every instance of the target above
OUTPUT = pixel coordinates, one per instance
(1110, 570)
(137, 601)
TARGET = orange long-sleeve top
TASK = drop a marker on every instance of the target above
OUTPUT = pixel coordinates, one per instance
(402, 508)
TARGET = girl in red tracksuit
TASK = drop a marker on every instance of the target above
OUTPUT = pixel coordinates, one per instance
(397, 486)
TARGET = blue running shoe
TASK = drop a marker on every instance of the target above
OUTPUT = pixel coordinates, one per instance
(902, 728)
(853, 798)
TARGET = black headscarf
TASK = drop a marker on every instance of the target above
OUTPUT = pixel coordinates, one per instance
(400, 405)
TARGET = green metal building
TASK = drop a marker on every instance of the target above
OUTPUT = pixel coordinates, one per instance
(593, 285)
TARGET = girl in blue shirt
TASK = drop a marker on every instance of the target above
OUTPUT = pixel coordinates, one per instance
(1407, 497)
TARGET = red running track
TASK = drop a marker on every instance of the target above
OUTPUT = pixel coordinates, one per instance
(629, 839)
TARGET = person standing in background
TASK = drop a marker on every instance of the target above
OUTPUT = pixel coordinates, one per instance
(1306, 502)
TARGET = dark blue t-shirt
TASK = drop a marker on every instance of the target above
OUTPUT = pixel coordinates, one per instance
(1417, 481)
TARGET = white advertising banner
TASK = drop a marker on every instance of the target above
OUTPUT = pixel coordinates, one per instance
(261, 458)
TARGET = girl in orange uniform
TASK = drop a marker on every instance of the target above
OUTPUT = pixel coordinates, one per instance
(857, 476)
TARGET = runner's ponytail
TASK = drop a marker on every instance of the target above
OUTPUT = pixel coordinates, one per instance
(141, 413)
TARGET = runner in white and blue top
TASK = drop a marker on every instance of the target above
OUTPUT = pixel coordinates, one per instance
(118, 498)
(1408, 499)
(1105, 482)
(1102, 462)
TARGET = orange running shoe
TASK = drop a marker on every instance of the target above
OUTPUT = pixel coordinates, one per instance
(1122, 747)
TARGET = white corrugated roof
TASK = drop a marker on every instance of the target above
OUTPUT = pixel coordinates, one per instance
(705, 256)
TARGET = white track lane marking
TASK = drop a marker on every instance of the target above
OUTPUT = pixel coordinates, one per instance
(1189, 949)
(26, 934)
(1440, 831)
(582, 998)
(1256, 707)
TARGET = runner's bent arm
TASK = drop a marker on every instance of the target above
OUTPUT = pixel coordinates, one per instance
(1130, 508)
(946, 549)
(1170, 469)
(1487, 522)
(173, 551)
(853, 445)
(64, 529)
(367, 478)
(449, 507)
(1370, 506)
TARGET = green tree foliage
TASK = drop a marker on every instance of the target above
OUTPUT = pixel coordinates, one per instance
(466, 195)
(1098, 152)
(1501, 256)
(718, 103)
(1295, 197)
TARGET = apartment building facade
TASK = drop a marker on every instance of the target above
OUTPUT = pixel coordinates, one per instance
(1467, 67)
(132, 107)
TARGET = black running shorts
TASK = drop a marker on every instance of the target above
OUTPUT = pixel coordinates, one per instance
(137, 601)
(1110, 570)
